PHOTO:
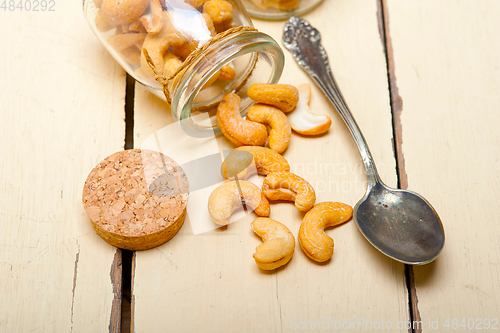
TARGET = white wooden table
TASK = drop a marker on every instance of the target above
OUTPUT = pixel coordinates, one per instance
(422, 79)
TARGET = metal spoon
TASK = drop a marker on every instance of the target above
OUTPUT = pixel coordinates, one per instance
(401, 224)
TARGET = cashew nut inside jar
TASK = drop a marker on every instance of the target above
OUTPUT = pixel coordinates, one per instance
(189, 53)
(279, 9)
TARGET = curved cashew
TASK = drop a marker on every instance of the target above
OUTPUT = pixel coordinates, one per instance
(225, 199)
(152, 18)
(123, 11)
(300, 190)
(281, 132)
(238, 164)
(266, 160)
(157, 45)
(282, 96)
(209, 24)
(239, 131)
(135, 26)
(227, 72)
(313, 240)
(302, 120)
(172, 64)
(278, 246)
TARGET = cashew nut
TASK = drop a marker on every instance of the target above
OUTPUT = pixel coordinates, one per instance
(282, 96)
(278, 4)
(278, 246)
(172, 64)
(313, 240)
(219, 10)
(302, 120)
(123, 11)
(228, 197)
(152, 18)
(227, 72)
(280, 133)
(300, 191)
(183, 50)
(239, 131)
(266, 160)
(157, 45)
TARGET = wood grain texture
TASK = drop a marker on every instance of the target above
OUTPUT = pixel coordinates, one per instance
(62, 112)
(448, 75)
(210, 282)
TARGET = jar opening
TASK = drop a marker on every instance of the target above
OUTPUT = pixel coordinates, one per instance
(256, 58)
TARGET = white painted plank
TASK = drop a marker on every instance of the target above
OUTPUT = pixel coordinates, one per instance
(448, 76)
(62, 100)
(210, 282)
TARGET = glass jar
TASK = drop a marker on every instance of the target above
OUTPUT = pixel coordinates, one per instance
(279, 9)
(189, 53)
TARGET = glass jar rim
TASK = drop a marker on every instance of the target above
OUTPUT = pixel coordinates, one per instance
(228, 48)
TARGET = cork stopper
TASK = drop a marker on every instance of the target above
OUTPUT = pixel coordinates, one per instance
(136, 199)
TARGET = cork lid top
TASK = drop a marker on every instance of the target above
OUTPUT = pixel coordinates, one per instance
(135, 192)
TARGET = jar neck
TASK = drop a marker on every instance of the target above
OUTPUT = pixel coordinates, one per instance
(257, 47)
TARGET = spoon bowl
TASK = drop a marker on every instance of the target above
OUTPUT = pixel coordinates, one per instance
(399, 223)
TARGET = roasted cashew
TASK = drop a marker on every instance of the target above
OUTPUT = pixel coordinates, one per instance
(278, 4)
(172, 64)
(157, 45)
(278, 246)
(266, 160)
(119, 12)
(218, 10)
(135, 26)
(302, 120)
(313, 240)
(185, 49)
(239, 131)
(152, 18)
(282, 96)
(300, 191)
(227, 72)
(280, 133)
(225, 199)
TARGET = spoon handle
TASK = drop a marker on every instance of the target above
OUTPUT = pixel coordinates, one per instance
(304, 41)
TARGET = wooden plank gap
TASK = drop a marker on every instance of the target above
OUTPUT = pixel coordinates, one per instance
(127, 255)
(116, 281)
(395, 98)
(129, 112)
(397, 141)
(74, 282)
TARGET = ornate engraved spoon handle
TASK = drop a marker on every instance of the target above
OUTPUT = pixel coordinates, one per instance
(304, 42)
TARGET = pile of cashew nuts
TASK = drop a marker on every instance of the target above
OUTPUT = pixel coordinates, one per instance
(280, 108)
(169, 30)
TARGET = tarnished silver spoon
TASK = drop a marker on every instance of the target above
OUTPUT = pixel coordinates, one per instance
(399, 223)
